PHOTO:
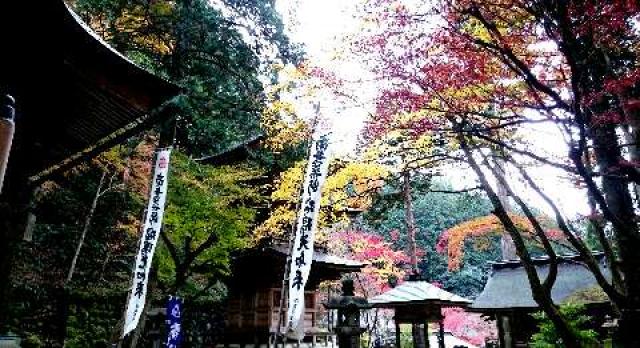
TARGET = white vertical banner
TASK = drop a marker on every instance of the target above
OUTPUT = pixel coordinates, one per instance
(302, 252)
(150, 233)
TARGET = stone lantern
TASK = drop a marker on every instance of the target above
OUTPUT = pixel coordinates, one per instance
(348, 305)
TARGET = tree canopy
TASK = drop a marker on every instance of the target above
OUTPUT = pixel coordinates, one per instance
(461, 86)
(481, 74)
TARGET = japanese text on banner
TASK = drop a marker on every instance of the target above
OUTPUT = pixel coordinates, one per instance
(302, 252)
(174, 322)
(150, 233)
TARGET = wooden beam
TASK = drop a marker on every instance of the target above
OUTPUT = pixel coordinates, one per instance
(162, 113)
(426, 334)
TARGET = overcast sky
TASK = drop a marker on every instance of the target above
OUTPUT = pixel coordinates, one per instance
(321, 26)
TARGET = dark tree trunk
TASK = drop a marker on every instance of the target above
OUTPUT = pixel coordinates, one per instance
(632, 138)
(590, 66)
(540, 294)
(620, 204)
(417, 330)
(409, 220)
(507, 247)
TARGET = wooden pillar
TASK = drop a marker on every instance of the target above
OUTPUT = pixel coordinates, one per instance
(426, 334)
(417, 333)
(507, 330)
(10, 208)
(498, 319)
(7, 126)
(441, 333)
(397, 335)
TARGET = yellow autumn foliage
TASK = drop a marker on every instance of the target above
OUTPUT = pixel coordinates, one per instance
(281, 119)
(349, 186)
(137, 21)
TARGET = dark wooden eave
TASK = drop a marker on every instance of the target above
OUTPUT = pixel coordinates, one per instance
(75, 95)
(235, 153)
(263, 267)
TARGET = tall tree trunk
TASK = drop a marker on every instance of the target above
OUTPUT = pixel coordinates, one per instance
(65, 293)
(620, 204)
(409, 220)
(589, 67)
(632, 139)
(631, 316)
(539, 292)
(85, 227)
(507, 247)
(417, 330)
(598, 227)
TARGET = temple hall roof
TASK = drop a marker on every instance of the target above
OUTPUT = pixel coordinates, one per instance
(75, 95)
(508, 286)
(263, 266)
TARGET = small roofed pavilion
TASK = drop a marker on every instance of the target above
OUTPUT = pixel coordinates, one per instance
(418, 302)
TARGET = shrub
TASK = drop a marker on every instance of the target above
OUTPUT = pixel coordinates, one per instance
(548, 337)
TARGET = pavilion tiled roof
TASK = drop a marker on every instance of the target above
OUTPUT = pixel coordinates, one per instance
(415, 293)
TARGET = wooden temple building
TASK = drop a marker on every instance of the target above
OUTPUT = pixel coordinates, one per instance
(73, 97)
(507, 296)
(253, 309)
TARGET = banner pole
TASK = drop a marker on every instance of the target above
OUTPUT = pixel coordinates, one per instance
(166, 141)
(149, 233)
(121, 335)
(285, 277)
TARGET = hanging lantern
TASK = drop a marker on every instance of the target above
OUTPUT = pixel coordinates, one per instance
(7, 126)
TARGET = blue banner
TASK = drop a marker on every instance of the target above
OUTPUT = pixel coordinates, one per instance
(174, 330)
